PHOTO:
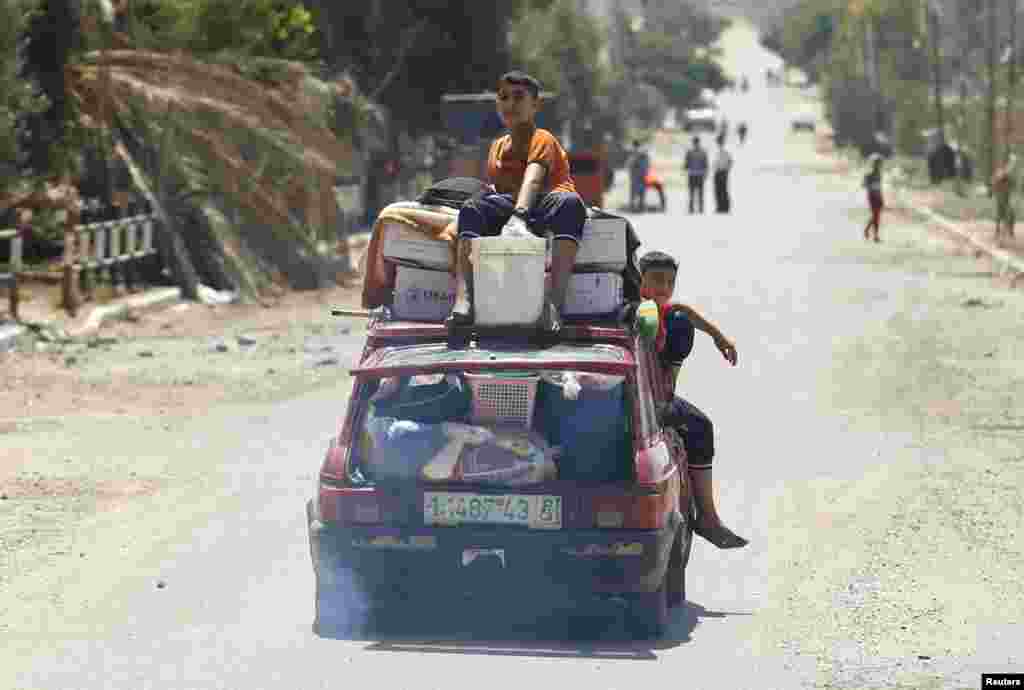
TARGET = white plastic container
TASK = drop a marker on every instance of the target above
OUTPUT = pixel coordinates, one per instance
(508, 280)
(422, 295)
(411, 247)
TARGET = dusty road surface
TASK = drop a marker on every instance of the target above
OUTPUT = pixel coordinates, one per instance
(870, 443)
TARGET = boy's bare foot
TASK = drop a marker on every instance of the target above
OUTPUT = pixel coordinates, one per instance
(719, 535)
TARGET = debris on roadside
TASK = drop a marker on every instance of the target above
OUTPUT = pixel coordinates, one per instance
(209, 296)
(46, 333)
(101, 341)
(978, 302)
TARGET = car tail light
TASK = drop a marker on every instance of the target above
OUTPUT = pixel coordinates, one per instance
(332, 471)
(351, 505)
(339, 501)
(635, 511)
(361, 509)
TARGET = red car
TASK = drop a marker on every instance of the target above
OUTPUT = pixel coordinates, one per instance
(417, 496)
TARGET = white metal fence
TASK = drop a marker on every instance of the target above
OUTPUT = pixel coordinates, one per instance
(114, 252)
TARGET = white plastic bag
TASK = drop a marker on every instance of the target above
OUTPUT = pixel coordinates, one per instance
(600, 382)
(570, 386)
(515, 227)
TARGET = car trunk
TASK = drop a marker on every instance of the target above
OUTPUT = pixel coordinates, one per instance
(523, 449)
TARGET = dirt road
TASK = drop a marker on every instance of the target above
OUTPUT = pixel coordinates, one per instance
(870, 443)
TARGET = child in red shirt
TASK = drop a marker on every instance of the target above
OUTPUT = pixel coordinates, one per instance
(674, 341)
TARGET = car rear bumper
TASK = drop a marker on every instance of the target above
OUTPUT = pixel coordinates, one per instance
(469, 559)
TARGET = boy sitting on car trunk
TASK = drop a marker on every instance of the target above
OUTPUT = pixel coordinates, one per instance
(532, 183)
(677, 323)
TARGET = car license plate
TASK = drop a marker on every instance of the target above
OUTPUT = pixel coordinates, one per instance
(535, 512)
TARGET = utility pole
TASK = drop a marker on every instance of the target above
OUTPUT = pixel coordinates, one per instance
(934, 37)
(990, 110)
(1011, 82)
(875, 75)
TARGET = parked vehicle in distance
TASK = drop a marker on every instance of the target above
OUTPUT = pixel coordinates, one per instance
(804, 120)
(504, 469)
(704, 119)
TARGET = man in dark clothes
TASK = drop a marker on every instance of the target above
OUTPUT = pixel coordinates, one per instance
(696, 171)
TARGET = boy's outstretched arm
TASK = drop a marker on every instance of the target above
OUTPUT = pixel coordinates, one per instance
(724, 345)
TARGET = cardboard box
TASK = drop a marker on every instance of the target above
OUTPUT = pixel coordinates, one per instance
(593, 294)
(423, 295)
(407, 246)
(603, 248)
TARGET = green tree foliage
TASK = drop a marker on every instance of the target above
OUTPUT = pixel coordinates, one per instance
(18, 98)
(267, 28)
(405, 55)
(872, 58)
(562, 48)
(52, 37)
(282, 29)
(672, 53)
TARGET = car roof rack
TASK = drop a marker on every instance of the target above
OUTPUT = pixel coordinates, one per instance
(388, 332)
(384, 329)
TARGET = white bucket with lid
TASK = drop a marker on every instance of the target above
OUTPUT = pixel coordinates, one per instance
(508, 280)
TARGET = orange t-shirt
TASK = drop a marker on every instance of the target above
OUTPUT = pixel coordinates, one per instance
(506, 168)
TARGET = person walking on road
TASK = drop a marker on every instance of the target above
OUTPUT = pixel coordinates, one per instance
(639, 167)
(741, 132)
(873, 185)
(654, 181)
(1003, 183)
(723, 164)
(696, 171)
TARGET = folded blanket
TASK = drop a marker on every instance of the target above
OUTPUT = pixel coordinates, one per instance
(439, 222)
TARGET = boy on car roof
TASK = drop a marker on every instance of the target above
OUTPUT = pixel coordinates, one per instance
(529, 171)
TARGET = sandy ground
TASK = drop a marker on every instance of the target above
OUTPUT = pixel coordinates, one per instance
(150, 371)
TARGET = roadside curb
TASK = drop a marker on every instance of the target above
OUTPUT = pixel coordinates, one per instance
(98, 315)
(1000, 256)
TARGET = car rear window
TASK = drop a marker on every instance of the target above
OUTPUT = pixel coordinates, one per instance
(499, 427)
